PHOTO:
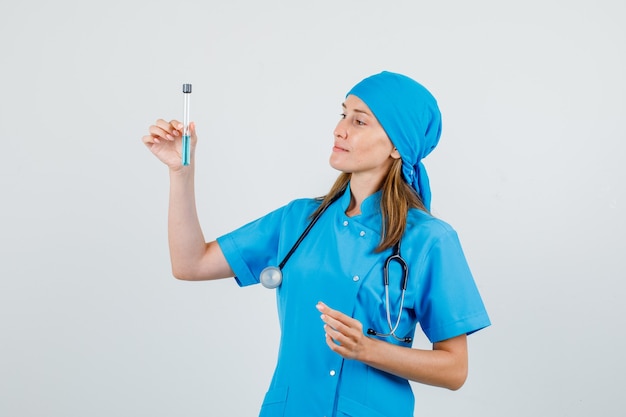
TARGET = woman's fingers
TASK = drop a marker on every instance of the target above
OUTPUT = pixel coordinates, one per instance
(192, 130)
(173, 127)
(163, 130)
(149, 140)
(344, 334)
(335, 314)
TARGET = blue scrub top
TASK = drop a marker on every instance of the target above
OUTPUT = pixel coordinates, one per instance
(336, 264)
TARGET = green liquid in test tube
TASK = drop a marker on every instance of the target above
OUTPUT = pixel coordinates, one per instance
(186, 150)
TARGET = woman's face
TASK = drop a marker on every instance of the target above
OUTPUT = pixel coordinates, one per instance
(361, 145)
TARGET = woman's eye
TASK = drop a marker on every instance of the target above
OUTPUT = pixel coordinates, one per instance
(356, 121)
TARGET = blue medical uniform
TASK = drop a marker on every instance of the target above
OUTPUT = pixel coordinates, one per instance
(336, 264)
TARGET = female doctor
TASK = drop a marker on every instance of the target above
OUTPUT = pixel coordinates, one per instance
(373, 264)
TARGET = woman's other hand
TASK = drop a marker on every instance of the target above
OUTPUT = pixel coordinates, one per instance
(344, 334)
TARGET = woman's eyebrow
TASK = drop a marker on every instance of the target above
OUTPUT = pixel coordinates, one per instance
(356, 110)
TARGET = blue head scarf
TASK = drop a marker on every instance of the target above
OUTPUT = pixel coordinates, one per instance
(411, 118)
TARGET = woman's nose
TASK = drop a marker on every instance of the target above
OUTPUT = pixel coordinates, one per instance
(340, 130)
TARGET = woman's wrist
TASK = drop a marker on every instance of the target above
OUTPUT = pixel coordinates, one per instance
(181, 171)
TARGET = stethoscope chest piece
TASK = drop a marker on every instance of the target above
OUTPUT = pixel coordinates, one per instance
(271, 277)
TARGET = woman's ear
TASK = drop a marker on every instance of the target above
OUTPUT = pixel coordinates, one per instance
(395, 154)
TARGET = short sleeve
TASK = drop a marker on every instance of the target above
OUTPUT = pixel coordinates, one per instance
(253, 247)
(450, 303)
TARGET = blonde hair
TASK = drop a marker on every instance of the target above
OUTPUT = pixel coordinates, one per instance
(396, 200)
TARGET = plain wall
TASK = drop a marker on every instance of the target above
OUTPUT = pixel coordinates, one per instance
(529, 171)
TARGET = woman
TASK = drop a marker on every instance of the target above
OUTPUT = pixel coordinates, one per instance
(346, 338)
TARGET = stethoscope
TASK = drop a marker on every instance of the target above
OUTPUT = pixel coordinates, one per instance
(395, 256)
(272, 276)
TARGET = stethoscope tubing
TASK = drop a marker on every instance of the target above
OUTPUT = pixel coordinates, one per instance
(272, 276)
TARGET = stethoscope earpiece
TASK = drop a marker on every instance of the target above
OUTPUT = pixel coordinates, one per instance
(406, 339)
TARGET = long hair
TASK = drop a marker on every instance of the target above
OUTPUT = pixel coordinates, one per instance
(396, 200)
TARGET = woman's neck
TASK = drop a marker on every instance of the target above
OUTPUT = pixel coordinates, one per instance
(360, 189)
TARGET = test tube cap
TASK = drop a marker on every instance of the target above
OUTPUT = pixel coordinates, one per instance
(186, 88)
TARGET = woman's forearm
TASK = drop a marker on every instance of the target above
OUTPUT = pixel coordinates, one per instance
(186, 240)
(443, 366)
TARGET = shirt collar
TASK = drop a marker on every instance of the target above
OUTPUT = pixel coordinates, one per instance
(369, 207)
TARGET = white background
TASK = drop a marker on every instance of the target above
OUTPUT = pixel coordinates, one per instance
(529, 171)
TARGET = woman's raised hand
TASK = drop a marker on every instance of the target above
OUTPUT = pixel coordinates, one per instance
(165, 142)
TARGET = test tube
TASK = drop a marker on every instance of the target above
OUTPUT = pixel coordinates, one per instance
(186, 149)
